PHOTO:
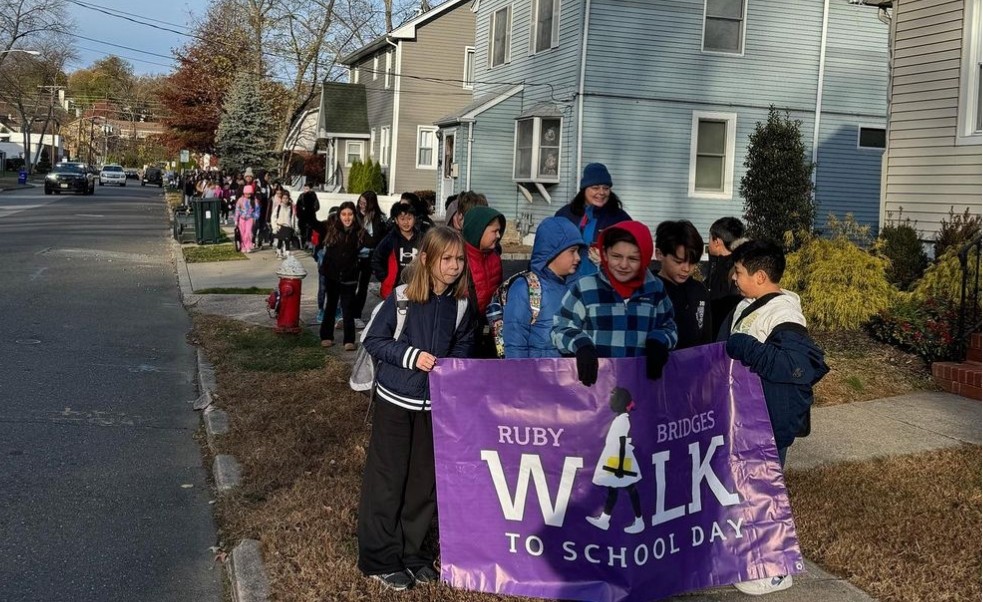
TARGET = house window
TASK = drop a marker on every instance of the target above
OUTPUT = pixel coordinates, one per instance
(723, 26)
(384, 145)
(711, 167)
(537, 150)
(426, 147)
(971, 77)
(372, 143)
(500, 37)
(353, 151)
(375, 67)
(545, 24)
(871, 137)
(469, 68)
(389, 70)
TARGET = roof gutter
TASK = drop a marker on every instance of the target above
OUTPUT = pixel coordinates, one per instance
(819, 91)
(394, 134)
(580, 91)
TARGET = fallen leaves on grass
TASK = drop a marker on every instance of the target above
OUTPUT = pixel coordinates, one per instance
(862, 369)
(902, 529)
(300, 438)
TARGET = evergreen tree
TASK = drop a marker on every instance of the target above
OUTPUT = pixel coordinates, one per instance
(378, 181)
(244, 136)
(777, 186)
(356, 177)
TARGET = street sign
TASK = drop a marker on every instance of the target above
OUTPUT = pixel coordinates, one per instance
(185, 156)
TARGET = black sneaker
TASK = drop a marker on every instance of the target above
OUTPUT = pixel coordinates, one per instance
(426, 574)
(398, 581)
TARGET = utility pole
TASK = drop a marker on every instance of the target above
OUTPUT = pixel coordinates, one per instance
(92, 128)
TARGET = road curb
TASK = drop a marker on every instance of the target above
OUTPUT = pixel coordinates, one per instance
(227, 472)
(247, 573)
(206, 382)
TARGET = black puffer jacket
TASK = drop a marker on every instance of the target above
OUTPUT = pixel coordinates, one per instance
(341, 255)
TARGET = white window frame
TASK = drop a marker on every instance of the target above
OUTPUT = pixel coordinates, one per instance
(970, 77)
(468, 83)
(389, 70)
(533, 29)
(537, 129)
(348, 151)
(375, 67)
(729, 157)
(703, 33)
(372, 143)
(385, 139)
(420, 129)
(508, 37)
(866, 126)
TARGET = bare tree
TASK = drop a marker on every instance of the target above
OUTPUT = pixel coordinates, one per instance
(24, 23)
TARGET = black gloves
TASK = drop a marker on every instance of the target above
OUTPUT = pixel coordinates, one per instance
(587, 365)
(656, 356)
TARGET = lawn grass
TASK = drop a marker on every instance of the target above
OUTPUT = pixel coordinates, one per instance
(300, 435)
(902, 529)
(206, 253)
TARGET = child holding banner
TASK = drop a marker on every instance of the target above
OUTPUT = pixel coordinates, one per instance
(621, 311)
(555, 258)
(398, 497)
(768, 335)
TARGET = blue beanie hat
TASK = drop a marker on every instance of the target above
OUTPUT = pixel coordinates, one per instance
(595, 174)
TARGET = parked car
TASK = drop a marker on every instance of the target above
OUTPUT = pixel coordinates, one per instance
(70, 177)
(153, 175)
(112, 174)
(132, 173)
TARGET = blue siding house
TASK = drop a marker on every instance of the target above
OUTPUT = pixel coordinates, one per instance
(666, 93)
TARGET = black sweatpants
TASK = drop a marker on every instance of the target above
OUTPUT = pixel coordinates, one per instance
(336, 292)
(399, 493)
(362, 292)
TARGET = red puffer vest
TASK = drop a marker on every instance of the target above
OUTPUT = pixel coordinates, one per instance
(486, 272)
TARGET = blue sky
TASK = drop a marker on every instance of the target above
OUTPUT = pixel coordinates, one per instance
(97, 25)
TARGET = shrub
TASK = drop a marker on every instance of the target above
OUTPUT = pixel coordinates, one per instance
(777, 186)
(841, 285)
(898, 242)
(943, 279)
(378, 181)
(356, 177)
(956, 231)
(922, 327)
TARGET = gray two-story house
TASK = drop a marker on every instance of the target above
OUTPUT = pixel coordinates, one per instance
(666, 93)
(410, 77)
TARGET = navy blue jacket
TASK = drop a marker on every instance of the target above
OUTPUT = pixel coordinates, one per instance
(430, 327)
(789, 364)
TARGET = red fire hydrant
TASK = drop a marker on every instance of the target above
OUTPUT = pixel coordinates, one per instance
(291, 272)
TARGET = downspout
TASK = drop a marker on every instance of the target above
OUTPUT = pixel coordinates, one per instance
(394, 134)
(467, 178)
(819, 91)
(580, 91)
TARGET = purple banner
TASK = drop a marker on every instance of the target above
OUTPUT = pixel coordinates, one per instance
(528, 460)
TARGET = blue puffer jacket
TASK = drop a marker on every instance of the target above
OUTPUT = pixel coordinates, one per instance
(789, 364)
(430, 327)
(524, 338)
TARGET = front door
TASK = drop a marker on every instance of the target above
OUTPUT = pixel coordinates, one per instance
(448, 172)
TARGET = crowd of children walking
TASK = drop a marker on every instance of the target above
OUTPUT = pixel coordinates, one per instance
(588, 293)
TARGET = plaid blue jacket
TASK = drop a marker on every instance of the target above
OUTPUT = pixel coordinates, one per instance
(593, 312)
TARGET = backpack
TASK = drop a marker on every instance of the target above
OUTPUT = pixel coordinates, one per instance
(496, 307)
(363, 369)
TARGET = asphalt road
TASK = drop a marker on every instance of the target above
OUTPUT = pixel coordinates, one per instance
(103, 495)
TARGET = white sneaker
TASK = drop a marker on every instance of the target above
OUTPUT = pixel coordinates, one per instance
(602, 522)
(359, 324)
(768, 585)
(636, 527)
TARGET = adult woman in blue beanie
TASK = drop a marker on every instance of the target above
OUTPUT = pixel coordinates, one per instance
(593, 209)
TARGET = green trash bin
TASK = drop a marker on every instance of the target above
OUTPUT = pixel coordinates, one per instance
(207, 215)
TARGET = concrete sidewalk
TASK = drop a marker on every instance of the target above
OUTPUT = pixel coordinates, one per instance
(906, 424)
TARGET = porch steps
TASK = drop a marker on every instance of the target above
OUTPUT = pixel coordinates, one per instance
(962, 378)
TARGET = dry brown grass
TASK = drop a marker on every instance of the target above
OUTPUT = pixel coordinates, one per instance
(300, 434)
(902, 529)
(300, 437)
(862, 369)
